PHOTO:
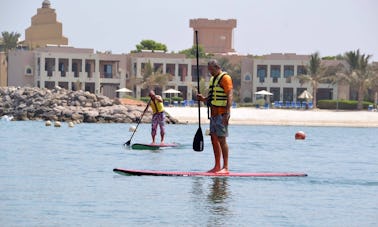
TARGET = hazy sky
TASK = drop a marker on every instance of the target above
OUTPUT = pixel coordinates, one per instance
(263, 26)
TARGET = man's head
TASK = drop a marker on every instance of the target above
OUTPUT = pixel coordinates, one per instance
(152, 94)
(213, 67)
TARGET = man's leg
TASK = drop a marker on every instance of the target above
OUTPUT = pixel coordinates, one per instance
(217, 153)
(153, 128)
(224, 147)
(162, 128)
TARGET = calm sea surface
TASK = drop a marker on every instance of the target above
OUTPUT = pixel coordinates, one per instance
(63, 177)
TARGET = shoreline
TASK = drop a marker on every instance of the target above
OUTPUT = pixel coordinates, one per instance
(281, 117)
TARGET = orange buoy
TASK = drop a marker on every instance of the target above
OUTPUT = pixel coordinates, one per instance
(300, 135)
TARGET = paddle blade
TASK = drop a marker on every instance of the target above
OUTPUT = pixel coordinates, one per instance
(127, 143)
(198, 140)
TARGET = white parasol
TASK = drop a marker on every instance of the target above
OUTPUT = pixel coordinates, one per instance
(305, 95)
(170, 92)
(263, 92)
(124, 90)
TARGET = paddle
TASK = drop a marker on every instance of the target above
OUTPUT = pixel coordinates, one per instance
(128, 142)
(198, 137)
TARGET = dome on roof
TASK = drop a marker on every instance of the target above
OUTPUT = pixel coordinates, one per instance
(46, 4)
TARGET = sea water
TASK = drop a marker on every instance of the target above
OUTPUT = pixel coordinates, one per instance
(52, 176)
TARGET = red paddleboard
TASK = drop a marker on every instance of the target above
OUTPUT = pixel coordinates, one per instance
(192, 174)
(147, 146)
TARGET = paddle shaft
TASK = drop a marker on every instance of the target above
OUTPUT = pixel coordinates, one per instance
(198, 137)
(198, 81)
(140, 120)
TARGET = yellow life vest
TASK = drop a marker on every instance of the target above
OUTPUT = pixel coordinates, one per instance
(217, 96)
(157, 106)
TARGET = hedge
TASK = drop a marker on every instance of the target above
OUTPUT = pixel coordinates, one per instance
(341, 104)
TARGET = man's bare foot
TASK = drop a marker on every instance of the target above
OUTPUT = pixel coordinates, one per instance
(214, 170)
(223, 171)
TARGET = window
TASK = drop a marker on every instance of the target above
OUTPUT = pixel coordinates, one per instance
(62, 69)
(288, 72)
(261, 73)
(301, 70)
(28, 71)
(183, 71)
(75, 69)
(275, 73)
(247, 77)
(170, 69)
(108, 71)
(88, 69)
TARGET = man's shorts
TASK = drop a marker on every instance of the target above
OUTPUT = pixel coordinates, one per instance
(217, 126)
(158, 119)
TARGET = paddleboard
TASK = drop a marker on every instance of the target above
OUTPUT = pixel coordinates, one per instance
(129, 172)
(146, 146)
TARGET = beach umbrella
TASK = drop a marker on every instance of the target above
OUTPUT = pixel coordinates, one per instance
(305, 95)
(263, 92)
(171, 91)
(126, 90)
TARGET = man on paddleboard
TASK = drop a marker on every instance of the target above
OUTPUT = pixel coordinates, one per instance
(158, 117)
(219, 101)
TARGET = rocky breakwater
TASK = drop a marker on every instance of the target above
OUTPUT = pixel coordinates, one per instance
(25, 103)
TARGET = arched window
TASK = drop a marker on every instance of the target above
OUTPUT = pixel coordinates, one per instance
(247, 77)
(28, 71)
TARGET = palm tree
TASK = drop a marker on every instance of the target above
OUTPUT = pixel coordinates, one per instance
(153, 79)
(374, 82)
(316, 73)
(10, 40)
(358, 74)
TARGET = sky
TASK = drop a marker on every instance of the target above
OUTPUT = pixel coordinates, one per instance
(330, 27)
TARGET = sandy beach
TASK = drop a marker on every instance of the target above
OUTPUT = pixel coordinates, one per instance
(253, 116)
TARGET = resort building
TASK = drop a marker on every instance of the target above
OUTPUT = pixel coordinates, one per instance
(3, 70)
(276, 73)
(69, 68)
(51, 62)
(179, 70)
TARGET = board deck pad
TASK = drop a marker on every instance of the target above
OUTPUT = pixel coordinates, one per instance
(130, 172)
(146, 146)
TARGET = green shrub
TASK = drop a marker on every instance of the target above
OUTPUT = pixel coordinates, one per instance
(177, 99)
(145, 99)
(249, 104)
(341, 104)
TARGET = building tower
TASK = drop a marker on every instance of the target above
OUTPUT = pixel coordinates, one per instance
(215, 36)
(44, 29)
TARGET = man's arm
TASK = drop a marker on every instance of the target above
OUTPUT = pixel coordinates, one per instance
(159, 98)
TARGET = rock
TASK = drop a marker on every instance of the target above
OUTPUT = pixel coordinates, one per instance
(59, 104)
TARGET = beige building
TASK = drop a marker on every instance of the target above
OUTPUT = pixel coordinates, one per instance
(69, 68)
(44, 29)
(215, 36)
(3, 70)
(181, 71)
(101, 73)
(276, 73)
(52, 63)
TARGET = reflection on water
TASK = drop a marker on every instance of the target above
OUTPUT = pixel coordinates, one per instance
(213, 199)
(218, 201)
(218, 193)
